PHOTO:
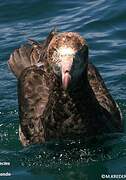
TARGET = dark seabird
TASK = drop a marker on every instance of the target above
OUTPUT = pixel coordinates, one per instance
(61, 94)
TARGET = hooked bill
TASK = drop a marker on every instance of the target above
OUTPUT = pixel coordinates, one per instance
(66, 80)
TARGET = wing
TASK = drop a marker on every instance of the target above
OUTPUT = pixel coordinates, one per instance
(29, 65)
(30, 54)
(33, 97)
(102, 94)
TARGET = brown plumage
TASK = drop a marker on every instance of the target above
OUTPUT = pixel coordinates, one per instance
(61, 94)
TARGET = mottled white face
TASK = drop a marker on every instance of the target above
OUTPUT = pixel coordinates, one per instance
(60, 56)
(68, 63)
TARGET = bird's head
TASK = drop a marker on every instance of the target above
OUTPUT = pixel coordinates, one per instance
(68, 54)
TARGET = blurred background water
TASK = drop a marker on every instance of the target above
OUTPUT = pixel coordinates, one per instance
(103, 24)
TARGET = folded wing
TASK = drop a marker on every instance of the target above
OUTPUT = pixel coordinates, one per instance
(103, 96)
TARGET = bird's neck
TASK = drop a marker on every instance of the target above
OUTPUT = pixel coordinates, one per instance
(81, 90)
(79, 84)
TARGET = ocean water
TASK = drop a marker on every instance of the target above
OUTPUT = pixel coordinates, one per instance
(103, 24)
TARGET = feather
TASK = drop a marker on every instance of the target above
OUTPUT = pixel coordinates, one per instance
(46, 110)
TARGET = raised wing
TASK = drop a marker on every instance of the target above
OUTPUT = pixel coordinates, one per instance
(29, 65)
(102, 94)
(28, 55)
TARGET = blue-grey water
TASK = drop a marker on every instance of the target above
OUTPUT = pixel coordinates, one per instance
(103, 24)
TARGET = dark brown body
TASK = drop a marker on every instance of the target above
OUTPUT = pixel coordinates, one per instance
(47, 111)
